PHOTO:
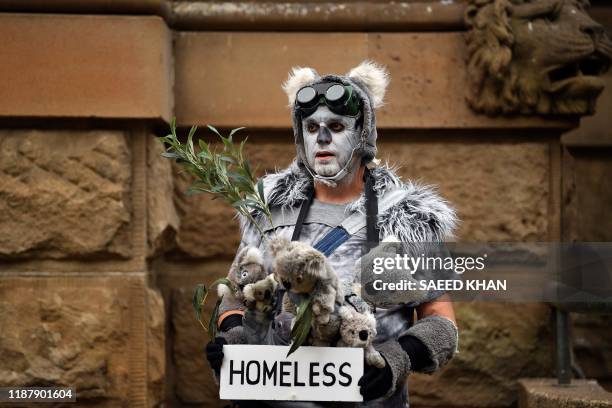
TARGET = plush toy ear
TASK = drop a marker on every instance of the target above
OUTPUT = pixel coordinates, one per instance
(250, 255)
(298, 77)
(371, 321)
(277, 245)
(224, 290)
(375, 77)
(315, 264)
(345, 313)
(272, 279)
(248, 292)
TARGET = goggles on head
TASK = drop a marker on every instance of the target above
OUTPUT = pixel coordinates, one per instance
(340, 99)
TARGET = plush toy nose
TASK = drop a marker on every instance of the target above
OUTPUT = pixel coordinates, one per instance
(287, 285)
(267, 294)
(363, 335)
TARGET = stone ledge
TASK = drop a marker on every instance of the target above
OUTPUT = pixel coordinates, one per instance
(545, 393)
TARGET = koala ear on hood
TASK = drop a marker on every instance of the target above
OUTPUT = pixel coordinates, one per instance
(298, 77)
(375, 77)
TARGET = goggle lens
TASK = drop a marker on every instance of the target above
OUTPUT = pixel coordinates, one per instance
(335, 93)
(306, 96)
(339, 98)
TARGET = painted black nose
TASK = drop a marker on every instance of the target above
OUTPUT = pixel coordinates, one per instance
(363, 335)
(287, 285)
(324, 137)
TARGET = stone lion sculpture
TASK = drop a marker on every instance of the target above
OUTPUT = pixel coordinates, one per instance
(534, 57)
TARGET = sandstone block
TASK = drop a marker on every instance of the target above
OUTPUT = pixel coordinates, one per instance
(544, 393)
(156, 348)
(57, 65)
(162, 218)
(500, 190)
(79, 332)
(593, 345)
(587, 195)
(64, 194)
(195, 382)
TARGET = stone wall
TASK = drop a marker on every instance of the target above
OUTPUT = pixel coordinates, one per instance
(81, 98)
(100, 248)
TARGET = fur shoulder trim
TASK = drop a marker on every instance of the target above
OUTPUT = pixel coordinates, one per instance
(287, 188)
(422, 215)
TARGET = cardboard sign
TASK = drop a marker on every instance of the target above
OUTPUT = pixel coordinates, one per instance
(255, 372)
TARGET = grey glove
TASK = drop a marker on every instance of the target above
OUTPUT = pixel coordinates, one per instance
(426, 346)
(440, 337)
(398, 363)
(231, 332)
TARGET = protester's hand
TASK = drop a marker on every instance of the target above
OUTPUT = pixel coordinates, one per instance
(214, 353)
(375, 382)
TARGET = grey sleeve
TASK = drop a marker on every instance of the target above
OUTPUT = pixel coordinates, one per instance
(235, 335)
(439, 335)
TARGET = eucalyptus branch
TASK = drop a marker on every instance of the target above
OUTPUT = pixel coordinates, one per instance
(224, 173)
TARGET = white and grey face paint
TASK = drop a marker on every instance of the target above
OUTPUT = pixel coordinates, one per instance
(329, 140)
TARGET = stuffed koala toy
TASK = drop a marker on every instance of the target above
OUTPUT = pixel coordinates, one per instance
(358, 330)
(247, 268)
(261, 295)
(322, 335)
(305, 271)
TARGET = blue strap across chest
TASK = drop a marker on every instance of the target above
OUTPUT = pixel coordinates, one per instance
(332, 240)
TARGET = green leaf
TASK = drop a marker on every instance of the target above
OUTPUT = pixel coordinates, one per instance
(190, 139)
(301, 328)
(260, 190)
(227, 143)
(198, 299)
(221, 172)
(234, 131)
(227, 159)
(247, 169)
(211, 127)
(193, 191)
(212, 324)
(170, 155)
(173, 125)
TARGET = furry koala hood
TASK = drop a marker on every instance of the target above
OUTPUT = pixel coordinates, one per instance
(369, 81)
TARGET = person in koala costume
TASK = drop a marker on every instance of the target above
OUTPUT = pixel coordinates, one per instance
(335, 198)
